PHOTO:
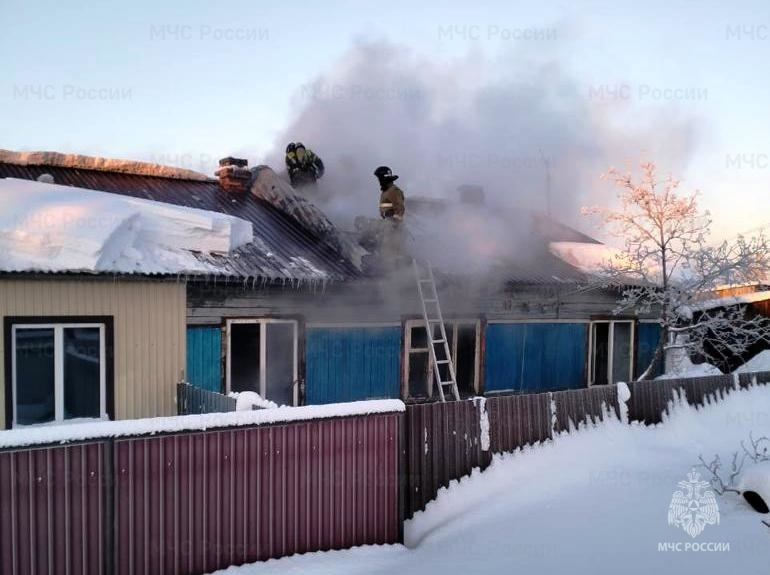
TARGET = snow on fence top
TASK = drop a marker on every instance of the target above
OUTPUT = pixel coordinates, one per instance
(82, 431)
(55, 228)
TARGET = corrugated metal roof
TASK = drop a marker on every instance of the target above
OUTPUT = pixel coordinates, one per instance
(282, 250)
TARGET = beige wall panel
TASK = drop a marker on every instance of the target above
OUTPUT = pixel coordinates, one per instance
(149, 333)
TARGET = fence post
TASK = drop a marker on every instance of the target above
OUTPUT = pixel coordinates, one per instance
(553, 422)
(403, 472)
(108, 517)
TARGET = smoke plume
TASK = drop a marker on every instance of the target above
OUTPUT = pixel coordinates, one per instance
(493, 123)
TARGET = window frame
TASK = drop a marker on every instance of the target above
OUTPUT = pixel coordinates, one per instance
(263, 321)
(590, 376)
(452, 333)
(58, 324)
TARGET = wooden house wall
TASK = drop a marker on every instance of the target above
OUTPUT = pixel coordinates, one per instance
(372, 301)
(348, 320)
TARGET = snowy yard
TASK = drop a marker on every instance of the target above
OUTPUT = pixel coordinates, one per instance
(592, 502)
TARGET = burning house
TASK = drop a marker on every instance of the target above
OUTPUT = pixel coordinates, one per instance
(288, 306)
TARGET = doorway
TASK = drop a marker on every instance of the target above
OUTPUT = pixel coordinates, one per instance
(262, 357)
(610, 351)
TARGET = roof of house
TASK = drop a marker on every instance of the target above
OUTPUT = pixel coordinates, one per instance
(730, 300)
(282, 250)
(516, 247)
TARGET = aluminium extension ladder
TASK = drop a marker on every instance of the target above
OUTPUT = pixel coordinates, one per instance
(426, 286)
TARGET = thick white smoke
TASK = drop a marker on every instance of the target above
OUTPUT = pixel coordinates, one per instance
(439, 125)
(472, 121)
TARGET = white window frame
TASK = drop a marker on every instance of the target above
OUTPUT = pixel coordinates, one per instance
(263, 353)
(452, 335)
(590, 375)
(59, 368)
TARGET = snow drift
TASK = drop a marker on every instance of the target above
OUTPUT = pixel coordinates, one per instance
(55, 228)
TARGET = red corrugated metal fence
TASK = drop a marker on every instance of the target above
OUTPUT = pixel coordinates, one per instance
(444, 443)
(52, 507)
(198, 502)
(195, 502)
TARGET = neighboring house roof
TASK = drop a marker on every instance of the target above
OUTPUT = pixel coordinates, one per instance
(730, 300)
(282, 249)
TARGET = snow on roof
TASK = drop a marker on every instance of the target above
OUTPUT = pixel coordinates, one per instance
(588, 257)
(78, 161)
(82, 431)
(55, 228)
(760, 362)
(726, 301)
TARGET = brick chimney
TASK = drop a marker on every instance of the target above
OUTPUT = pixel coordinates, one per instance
(234, 175)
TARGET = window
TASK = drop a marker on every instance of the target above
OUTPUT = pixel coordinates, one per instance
(262, 357)
(610, 352)
(58, 371)
(463, 337)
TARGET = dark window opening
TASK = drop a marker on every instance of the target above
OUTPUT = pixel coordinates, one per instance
(466, 359)
(462, 340)
(82, 372)
(35, 376)
(601, 353)
(245, 357)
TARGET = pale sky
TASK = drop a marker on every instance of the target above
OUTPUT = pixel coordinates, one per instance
(185, 83)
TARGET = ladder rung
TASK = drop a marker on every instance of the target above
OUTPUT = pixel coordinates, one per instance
(438, 341)
(447, 382)
(442, 361)
(434, 320)
(430, 300)
(425, 281)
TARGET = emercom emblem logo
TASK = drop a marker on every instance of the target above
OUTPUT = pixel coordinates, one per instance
(694, 507)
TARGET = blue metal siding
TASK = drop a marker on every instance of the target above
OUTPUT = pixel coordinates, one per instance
(204, 345)
(647, 335)
(352, 363)
(535, 356)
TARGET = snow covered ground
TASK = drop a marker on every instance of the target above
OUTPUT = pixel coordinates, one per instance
(592, 502)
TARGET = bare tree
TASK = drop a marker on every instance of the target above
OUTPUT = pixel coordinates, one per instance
(667, 267)
(756, 451)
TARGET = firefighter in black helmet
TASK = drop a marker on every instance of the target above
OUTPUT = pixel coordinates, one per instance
(303, 165)
(391, 196)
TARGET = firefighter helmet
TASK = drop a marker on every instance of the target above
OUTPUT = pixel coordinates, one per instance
(384, 173)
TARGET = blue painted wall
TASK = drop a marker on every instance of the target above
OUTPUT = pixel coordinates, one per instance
(647, 335)
(535, 356)
(204, 346)
(350, 364)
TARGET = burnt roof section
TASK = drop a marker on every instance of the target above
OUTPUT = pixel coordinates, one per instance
(282, 250)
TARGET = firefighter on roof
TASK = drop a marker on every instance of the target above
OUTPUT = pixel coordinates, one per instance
(303, 165)
(391, 196)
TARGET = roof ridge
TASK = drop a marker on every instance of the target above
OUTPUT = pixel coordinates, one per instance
(83, 162)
